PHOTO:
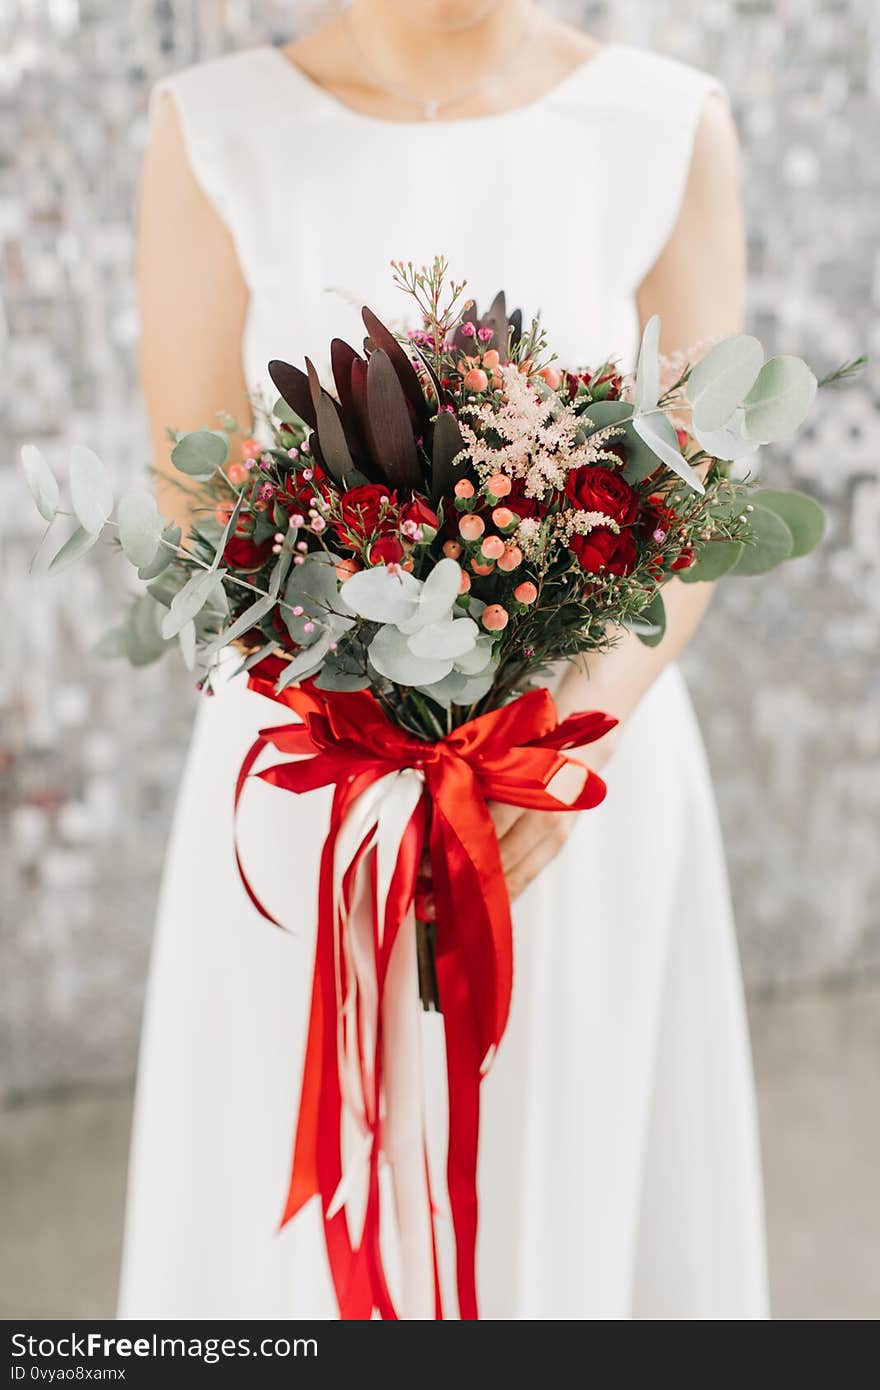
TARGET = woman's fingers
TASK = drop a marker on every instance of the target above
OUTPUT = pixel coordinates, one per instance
(504, 816)
(530, 830)
(540, 854)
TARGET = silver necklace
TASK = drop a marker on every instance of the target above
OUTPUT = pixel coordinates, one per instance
(431, 108)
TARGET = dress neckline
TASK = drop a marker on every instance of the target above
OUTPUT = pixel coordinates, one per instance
(334, 103)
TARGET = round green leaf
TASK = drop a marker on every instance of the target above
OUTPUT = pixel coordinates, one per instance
(164, 554)
(189, 601)
(601, 414)
(282, 411)
(200, 453)
(655, 430)
(90, 490)
(720, 381)
(771, 543)
(140, 527)
(728, 442)
(716, 558)
(144, 642)
(76, 545)
(41, 481)
(802, 515)
(779, 399)
(648, 366)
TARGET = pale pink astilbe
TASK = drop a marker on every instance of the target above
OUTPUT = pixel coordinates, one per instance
(542, 438)
(569, 524)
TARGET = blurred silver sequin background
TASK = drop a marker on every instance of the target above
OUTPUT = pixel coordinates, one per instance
(784, 673)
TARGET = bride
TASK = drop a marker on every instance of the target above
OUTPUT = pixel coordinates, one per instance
(619, 1173)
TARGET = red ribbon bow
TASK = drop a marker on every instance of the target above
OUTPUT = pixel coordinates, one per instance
(511, 754)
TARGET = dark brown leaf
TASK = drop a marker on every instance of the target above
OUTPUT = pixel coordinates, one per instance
(361, 418)
(446, 444)
(342, 355)
(391, 438)
(293, 387)
(314, 383)
(382, 337)
(331, 436)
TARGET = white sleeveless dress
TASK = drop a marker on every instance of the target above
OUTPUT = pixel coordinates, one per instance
(619, 1174)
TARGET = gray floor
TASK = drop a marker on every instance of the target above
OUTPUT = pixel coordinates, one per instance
(62, 1169)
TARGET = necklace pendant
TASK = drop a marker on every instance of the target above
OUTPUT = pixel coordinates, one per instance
(431, 109)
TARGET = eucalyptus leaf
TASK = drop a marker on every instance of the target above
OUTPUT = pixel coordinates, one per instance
(90, 489)
(771, 543)
(305, 663)
(438, 594)
(779, 399)
(187, 639)
(601, 414)
(190, 600)
(164, 554)
(475, 661)
(41, 481)
(459, 689)
(282, 411)
(144, 642)
(721, 380)
(383, 597)
(453, 637)
(334, 677)
(140, 528)
(648, 366)
(111, 644)
(657, 432)
(802, 515)
(716, 558)
(728, 442)
(76, 545)
(314, 587)
(390, 654)
(200, 453)
(243, 623)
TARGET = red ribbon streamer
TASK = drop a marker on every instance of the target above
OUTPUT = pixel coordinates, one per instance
(512, 755)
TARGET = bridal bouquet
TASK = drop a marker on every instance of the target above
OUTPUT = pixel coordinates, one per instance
(398, 562)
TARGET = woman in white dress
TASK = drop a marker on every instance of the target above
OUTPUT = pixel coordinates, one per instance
(619, 1173)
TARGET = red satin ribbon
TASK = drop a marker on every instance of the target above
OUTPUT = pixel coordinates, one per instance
(511, 755)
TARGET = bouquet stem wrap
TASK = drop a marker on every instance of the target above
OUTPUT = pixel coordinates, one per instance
(362, 1098)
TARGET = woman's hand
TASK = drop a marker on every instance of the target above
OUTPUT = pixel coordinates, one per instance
(529, 840)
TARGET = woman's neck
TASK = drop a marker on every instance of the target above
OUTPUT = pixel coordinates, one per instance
(435, 53)
(445, 59)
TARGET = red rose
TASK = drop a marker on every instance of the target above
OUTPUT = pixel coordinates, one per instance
(302, 491)
(387, 550)
(418, 511)
(366, 510)
(597, 489)
(604, 550)
(241, 553)
(685, 560)
(524, 506)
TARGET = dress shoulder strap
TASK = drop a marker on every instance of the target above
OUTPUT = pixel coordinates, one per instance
(231, 110)
(641, 111)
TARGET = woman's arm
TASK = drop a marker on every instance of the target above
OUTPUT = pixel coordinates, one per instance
(697, 287)
(193, 302)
